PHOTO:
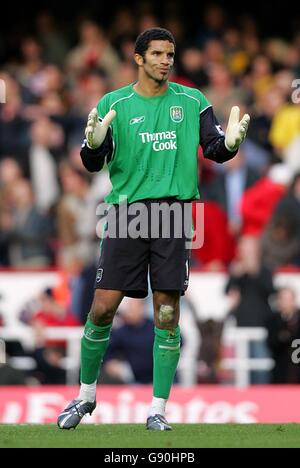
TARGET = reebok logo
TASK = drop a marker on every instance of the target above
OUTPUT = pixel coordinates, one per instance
(137, 120)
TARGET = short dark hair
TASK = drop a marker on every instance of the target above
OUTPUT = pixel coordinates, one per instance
(153, 34)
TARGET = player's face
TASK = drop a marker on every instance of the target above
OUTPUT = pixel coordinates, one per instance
(159, 59)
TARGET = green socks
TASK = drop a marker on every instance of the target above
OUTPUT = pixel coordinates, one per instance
(93, 346)
(166, 352)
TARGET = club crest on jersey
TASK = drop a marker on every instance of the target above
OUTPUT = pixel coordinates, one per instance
(176, 113)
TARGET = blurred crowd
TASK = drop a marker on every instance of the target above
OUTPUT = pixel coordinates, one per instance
(48, 201)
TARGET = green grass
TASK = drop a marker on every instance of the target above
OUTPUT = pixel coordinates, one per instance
(135, 436)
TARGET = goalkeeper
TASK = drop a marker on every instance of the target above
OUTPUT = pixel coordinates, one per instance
(148, 133)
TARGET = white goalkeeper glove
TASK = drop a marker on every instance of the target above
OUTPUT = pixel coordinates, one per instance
(96, 131)
(236, 129)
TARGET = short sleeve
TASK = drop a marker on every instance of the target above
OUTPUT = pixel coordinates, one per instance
(201, 98)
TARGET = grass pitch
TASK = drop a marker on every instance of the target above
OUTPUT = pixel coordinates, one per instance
(135, 436)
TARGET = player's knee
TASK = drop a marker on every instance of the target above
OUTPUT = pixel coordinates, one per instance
(167, 316)
(101, 314)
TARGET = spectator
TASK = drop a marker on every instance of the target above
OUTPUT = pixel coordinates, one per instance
(218, 249)
(129, 355)
(285, 127)
(45, 135)
(283, 327)
(51, 313)
(49, 369)
(76, 212)
(214, 20)
(281, 242)
(290, 203)
(26, 230)
(54, 43)
(209, 353)
(89, 89)
(251, 284)
(82, 290)
(228, 188)
(10, 174)
(236, 55)
(193, 66)
(260, 200)
(265, 107)
(48, 354)
(261, 75)
(14, 137)
(11, 376)
(250, 287)
(28, 72)
(123, 25)
(93, 51)
(222, 92)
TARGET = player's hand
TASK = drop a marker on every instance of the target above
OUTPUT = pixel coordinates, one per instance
(96, 131)
(236, 129)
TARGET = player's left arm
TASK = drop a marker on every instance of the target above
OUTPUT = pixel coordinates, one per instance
(217, 145)
(98, 144)
(94, 159)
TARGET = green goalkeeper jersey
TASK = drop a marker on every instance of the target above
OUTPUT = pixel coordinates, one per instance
(156, 143)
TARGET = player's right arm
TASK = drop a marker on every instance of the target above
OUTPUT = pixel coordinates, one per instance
(98, 144)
